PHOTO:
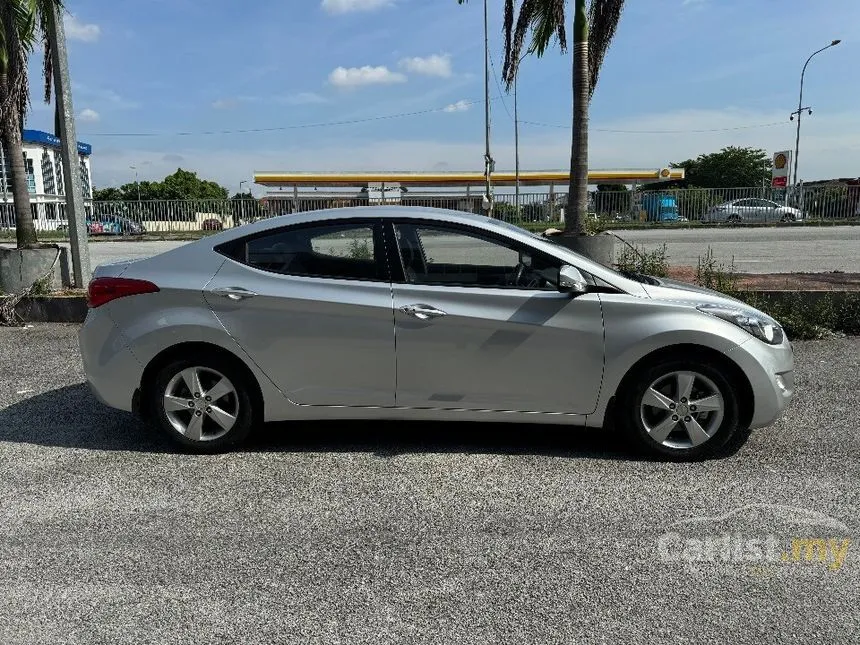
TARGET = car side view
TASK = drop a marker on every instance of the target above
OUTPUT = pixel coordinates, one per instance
(753, 210)
(413, 313)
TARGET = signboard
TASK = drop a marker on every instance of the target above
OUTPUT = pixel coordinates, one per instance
(781, 166)
(46, 138)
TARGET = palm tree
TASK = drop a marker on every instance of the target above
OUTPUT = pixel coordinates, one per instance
(22, 24)
(594, 25)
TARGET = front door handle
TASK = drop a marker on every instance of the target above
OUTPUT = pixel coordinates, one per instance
(233, 293)
(422, 312)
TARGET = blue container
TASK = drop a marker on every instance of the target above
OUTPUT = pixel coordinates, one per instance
(660, 207)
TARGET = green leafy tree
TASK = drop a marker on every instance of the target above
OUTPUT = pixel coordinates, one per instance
(731, 167)
(22, 24)
(594, 25)
(107, 194)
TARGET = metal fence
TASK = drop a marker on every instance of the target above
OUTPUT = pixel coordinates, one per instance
(608, 208)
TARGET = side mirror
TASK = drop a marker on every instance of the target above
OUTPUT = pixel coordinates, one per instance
(571, 280)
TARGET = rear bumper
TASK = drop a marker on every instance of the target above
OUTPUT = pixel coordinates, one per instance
(770, 371)
(111, 369)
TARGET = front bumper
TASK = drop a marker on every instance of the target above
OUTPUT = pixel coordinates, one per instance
(770, 370)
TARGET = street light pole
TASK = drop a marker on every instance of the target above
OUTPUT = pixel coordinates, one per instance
(800, 107)
(137, 185)
(516, 146)
(242, 199)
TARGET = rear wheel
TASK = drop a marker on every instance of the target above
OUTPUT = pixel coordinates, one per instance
(202, 403)
(733, 219)
(679, 409)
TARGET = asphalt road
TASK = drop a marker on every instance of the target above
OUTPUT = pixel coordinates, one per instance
(419, 533)
(754, 250)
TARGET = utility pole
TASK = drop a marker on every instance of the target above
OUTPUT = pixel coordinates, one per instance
(75, 210)
(488, 159)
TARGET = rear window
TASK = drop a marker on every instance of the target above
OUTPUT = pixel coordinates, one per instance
(338, 250)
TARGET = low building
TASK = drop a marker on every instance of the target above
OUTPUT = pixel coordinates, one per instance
(44, 167)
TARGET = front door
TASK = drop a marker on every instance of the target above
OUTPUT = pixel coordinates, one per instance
(479, 326)
(311, 306)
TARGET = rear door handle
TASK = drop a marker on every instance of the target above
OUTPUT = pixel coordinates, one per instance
(422, 311)
(233, 293)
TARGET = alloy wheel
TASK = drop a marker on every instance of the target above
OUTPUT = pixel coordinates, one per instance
(201, 403)
(682, 409)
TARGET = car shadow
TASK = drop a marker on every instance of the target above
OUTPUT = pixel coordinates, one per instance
(71, 417)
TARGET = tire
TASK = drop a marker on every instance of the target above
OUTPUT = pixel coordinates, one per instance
(693, 433)
(192, 422)
(733, 219)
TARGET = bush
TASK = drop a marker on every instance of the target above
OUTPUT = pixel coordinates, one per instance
(638, 260)
(716, 275)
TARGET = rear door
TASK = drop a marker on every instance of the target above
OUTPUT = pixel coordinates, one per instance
(311, 305)
(478, 325)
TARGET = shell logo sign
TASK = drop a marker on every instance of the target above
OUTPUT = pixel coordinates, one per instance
(665, 173)
(781, 163)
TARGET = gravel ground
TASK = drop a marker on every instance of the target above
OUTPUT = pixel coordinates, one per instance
(352, 533)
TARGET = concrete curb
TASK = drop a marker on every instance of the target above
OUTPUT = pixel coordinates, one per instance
(55, 309)
(73, 309)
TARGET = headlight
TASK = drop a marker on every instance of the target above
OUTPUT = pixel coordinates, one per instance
(760, 326)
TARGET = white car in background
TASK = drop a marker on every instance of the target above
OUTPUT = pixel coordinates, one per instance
(752, 209)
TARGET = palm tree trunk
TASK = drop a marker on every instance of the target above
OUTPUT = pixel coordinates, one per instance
(577, 192)
(25, 231)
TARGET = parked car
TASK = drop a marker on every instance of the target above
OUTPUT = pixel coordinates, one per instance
(287, 319)
(753, 209)
(108, 224)
(212, 225)
(112, 224)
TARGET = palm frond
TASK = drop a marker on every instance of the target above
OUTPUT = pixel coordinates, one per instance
(603, 18)
(17, 37)
(43, 9)
(548, 23)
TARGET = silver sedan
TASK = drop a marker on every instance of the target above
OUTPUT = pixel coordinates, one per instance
(753, 210)
(413, 313)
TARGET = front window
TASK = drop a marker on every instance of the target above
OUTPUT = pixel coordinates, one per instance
(450, 255)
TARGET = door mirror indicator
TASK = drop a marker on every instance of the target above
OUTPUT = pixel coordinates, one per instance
(571, 280)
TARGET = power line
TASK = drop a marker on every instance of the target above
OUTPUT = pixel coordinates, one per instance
(300, 126)
(499, 87)
(738, 127)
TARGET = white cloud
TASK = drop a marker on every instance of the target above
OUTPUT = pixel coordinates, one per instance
(232, 102)
(346, 6)
(225, 104)
(367, 75)
(434, 65)
(88, 115)
(303, 98)
(77, 30)
(460, 106)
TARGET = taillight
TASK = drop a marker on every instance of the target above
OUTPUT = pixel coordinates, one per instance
(103, 290)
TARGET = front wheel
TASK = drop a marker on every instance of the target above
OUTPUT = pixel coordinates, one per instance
(679, 409)
(202, 403)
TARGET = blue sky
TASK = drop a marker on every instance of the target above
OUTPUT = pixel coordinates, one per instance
(161, 67)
